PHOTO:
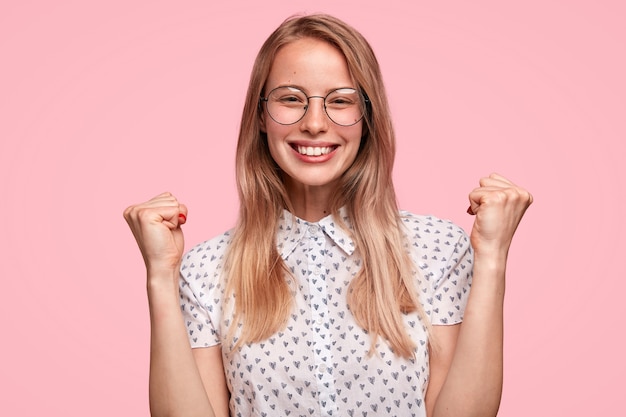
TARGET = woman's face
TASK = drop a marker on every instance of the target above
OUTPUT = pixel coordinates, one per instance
(313, 152)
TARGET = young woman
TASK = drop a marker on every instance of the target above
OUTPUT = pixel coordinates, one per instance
(325, 299)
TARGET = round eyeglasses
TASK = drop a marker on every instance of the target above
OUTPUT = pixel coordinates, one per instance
(288, 105)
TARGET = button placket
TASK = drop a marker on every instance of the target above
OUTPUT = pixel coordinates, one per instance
(319, 313)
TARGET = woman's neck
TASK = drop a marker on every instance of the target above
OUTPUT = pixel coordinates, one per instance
(310, 203)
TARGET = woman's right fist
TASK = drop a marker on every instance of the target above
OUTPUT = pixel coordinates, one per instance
(156, 227)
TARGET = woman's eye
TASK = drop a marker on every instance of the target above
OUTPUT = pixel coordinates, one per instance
(290, 99)
(341, 102)
(343, 97)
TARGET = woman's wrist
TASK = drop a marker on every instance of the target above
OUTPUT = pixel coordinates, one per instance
(162, 280)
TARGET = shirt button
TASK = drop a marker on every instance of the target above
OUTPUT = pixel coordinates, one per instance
(319, 320)
(322, 368)
(313, 230)
(317, 271)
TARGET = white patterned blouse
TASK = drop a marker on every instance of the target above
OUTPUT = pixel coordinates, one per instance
(318, 365)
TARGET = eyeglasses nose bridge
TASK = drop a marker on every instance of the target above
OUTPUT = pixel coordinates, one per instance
(308, 98)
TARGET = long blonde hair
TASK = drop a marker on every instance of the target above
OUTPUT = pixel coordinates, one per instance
(384, 288)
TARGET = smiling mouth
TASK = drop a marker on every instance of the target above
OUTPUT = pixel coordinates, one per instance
(314, 150)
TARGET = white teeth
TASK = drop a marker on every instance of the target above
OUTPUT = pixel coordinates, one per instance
(314, 151)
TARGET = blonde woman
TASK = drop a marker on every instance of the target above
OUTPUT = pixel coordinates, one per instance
(325, 299)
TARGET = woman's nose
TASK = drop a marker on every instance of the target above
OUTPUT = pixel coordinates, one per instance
(315, 120)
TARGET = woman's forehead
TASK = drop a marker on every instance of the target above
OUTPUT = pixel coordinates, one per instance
(309, 63)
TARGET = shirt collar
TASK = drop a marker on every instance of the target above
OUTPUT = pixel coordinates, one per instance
(292, 230)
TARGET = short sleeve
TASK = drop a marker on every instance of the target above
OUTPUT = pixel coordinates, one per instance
(451, 288)
(443, 257)
(201, 291)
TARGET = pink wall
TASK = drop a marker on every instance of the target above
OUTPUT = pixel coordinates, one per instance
(105, 105)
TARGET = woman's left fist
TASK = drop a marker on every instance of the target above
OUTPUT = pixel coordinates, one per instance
(499, 206)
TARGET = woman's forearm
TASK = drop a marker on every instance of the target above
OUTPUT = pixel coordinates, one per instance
(473, 386)
(176, 388)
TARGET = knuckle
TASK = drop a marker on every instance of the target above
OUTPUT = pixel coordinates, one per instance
(141, 212)
(130, 211)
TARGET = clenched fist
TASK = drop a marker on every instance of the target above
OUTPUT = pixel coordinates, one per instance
(499, 206)
(156, 227)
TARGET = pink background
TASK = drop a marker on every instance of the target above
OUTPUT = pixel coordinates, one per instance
(104, 104)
